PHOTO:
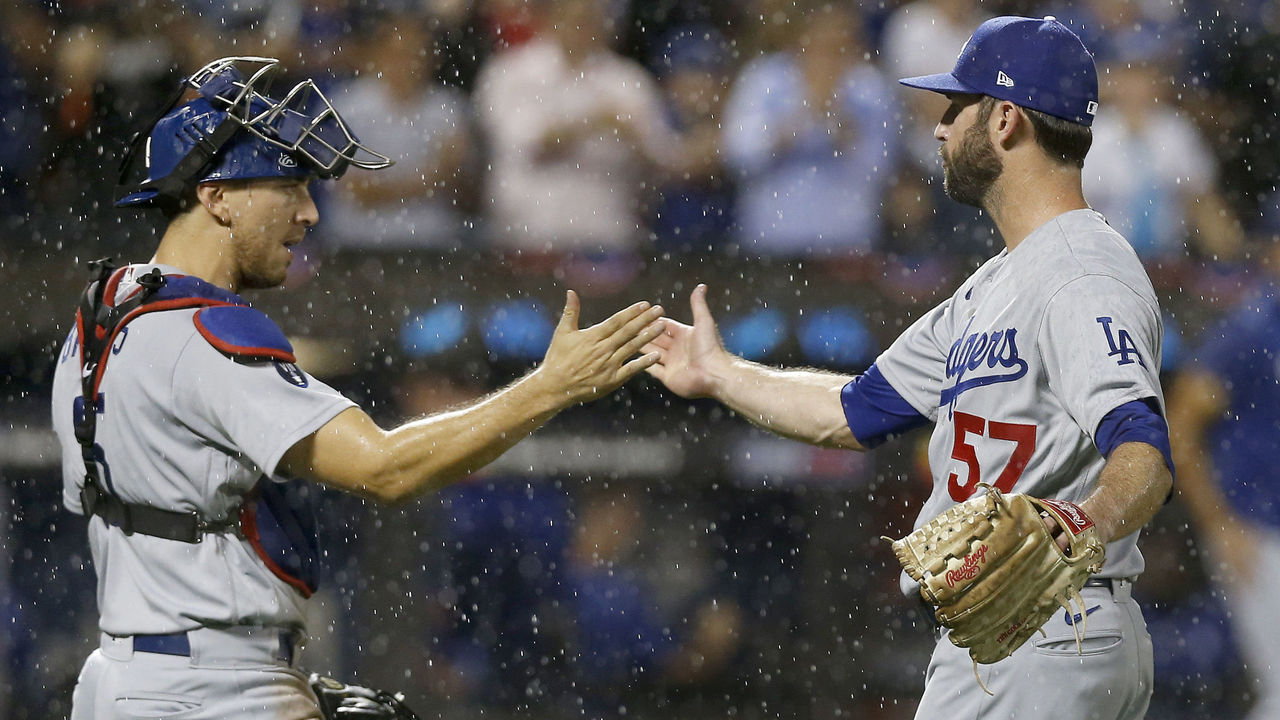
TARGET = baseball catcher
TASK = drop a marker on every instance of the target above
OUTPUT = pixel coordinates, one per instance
(184, 418)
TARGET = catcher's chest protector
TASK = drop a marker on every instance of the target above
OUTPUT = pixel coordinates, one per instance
(277, 525)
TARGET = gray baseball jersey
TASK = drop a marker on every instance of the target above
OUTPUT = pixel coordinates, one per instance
(1018, 367)
(184, 427)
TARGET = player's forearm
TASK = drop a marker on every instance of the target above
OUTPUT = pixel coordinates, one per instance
(798, 404)
(1197, 488)
(436, 451)
(352, 453)
(1130, 490)
(1196, 401)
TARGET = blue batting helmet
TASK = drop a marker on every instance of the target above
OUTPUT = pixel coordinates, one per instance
(233, 130)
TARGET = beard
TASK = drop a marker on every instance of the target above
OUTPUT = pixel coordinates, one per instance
(254, 280)
(258, 269)
(967, 176)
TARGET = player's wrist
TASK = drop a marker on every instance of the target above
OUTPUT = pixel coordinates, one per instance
(545, 391)
(722, 373)
(1104, 522)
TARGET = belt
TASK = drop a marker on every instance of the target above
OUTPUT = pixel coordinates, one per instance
(179, 644)
(1112, 584)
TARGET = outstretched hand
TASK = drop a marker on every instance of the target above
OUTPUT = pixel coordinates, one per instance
(585, 364)
(690, 356)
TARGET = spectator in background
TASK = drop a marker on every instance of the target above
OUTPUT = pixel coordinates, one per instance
(811, 134)
(1224, 409)
(505, 539)
(324, 27)
(695, 206)
(1151, 173)
(622, 639)
(1234, 63)
(396, 102)
(910, 216)
(1131, 29)
(915, 35)
(462, 41)
(268, 28)
(23, 32)
(575, 133)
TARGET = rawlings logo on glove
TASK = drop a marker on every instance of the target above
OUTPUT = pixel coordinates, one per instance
(969, 570)
(994, 572)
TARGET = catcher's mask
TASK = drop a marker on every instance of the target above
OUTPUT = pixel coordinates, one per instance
(222, 125)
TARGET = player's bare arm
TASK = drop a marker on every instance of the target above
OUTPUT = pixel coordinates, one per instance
(352, 453)
(796, 403)
(1197, 402)
(1130, 490)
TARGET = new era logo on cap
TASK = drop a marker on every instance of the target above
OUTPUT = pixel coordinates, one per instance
(1003, 80)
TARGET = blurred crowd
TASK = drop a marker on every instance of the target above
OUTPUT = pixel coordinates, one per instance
(630, 132)
(772, 127)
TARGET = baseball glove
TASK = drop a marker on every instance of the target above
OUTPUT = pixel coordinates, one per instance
(995, 574)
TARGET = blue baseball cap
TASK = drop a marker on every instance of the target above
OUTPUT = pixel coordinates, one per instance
(1035, 63)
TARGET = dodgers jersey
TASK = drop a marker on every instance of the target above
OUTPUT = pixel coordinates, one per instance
(1017, 368)
(184, 427)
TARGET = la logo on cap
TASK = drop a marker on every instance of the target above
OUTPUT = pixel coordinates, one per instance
(1003, 80)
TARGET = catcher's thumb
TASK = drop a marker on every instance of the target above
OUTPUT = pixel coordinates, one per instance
(569, 318)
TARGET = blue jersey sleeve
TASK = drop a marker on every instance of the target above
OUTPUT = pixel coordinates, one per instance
(875, 411)
(1136, 421)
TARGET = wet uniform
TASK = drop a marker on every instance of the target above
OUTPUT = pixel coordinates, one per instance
(1017, 370)
(207, 629)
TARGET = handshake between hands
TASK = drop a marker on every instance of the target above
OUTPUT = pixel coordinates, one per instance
(582, 364)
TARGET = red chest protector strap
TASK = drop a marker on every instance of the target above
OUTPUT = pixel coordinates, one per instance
(99, 320)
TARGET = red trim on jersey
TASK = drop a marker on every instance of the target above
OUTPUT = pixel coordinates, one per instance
(80, 337)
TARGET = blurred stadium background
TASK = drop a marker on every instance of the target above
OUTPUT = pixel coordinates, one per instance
(759, 146)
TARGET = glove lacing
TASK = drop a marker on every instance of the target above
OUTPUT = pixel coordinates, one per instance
(1080, 629)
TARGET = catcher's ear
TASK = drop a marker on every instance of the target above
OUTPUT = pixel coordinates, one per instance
(213, 198)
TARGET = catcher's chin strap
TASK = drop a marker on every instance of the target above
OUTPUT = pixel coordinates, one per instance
(99, 322)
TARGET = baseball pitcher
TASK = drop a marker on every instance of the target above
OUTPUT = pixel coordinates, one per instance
(1039, 377)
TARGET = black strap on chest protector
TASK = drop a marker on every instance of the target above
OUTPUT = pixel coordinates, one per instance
(98, 324)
